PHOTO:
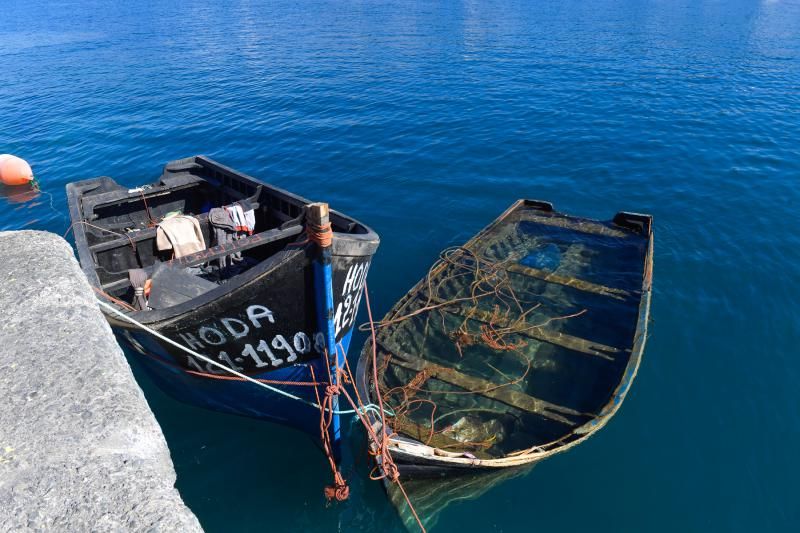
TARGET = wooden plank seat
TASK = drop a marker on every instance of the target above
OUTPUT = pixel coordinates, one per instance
(145, 234)
(590, 227)
(497, 391)
(556, 338)
(136, 237)
(568, 281)
(221, 250)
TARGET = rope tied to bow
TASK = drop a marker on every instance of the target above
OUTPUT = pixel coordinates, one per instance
(322, 235)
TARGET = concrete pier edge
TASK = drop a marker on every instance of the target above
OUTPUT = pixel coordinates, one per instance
(80, 449)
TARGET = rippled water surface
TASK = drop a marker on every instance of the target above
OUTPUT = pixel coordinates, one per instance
(426, 120)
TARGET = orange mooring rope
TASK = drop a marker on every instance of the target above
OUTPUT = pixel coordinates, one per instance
(321, 235)
(151, 221)
(390, 469)
(339, 490)
(267, 381)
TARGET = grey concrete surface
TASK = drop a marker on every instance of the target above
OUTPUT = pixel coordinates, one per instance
(80, 449)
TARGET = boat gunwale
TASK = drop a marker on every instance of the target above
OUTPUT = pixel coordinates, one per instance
(165, 317)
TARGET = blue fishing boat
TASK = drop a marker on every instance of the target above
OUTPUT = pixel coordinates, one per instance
(238, 296)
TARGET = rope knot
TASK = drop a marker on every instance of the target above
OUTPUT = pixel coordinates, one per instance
(339, 491)
(391, 471)
(333, 390)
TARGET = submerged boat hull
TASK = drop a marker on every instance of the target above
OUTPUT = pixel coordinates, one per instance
(576, 377)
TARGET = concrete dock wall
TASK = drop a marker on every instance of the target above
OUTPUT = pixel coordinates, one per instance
(80, 449)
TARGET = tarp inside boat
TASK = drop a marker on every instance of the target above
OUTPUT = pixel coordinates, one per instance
(522, 339)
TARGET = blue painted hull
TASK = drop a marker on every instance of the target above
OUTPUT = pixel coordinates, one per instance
(234, 396)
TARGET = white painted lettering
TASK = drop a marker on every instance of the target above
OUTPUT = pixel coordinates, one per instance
(280, 343)
(337, 319)
(223, 356)
(301, 342)
(348, 309)
(240, 330)
(264, 347)
(348, 281)
(359, 277)
(251, 353)
(192, 341)
(354, 307)
(216, 336)
(256, 312)
(363, 277)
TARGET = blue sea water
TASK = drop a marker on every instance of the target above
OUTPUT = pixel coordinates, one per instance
(426, 120)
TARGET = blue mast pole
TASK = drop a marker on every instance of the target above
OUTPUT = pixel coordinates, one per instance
(318, 215)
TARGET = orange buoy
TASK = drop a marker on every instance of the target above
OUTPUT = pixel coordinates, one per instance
(14, 171)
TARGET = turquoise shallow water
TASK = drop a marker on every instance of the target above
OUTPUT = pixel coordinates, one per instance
(426, 120)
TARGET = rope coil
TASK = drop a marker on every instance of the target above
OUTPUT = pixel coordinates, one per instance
(339, 491)
(322, 235)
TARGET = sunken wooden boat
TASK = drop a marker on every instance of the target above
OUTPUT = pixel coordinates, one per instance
(517, 345)
(250, 304)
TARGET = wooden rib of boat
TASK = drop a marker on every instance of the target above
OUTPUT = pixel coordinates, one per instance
(258, 316)
(517, 345)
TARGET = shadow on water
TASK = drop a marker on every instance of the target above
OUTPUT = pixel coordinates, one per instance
(19, 194)
(28, 207)
(431, 496)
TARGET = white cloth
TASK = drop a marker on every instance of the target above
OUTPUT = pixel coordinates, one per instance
(181, 234)
(242, 220)
(250, 220)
